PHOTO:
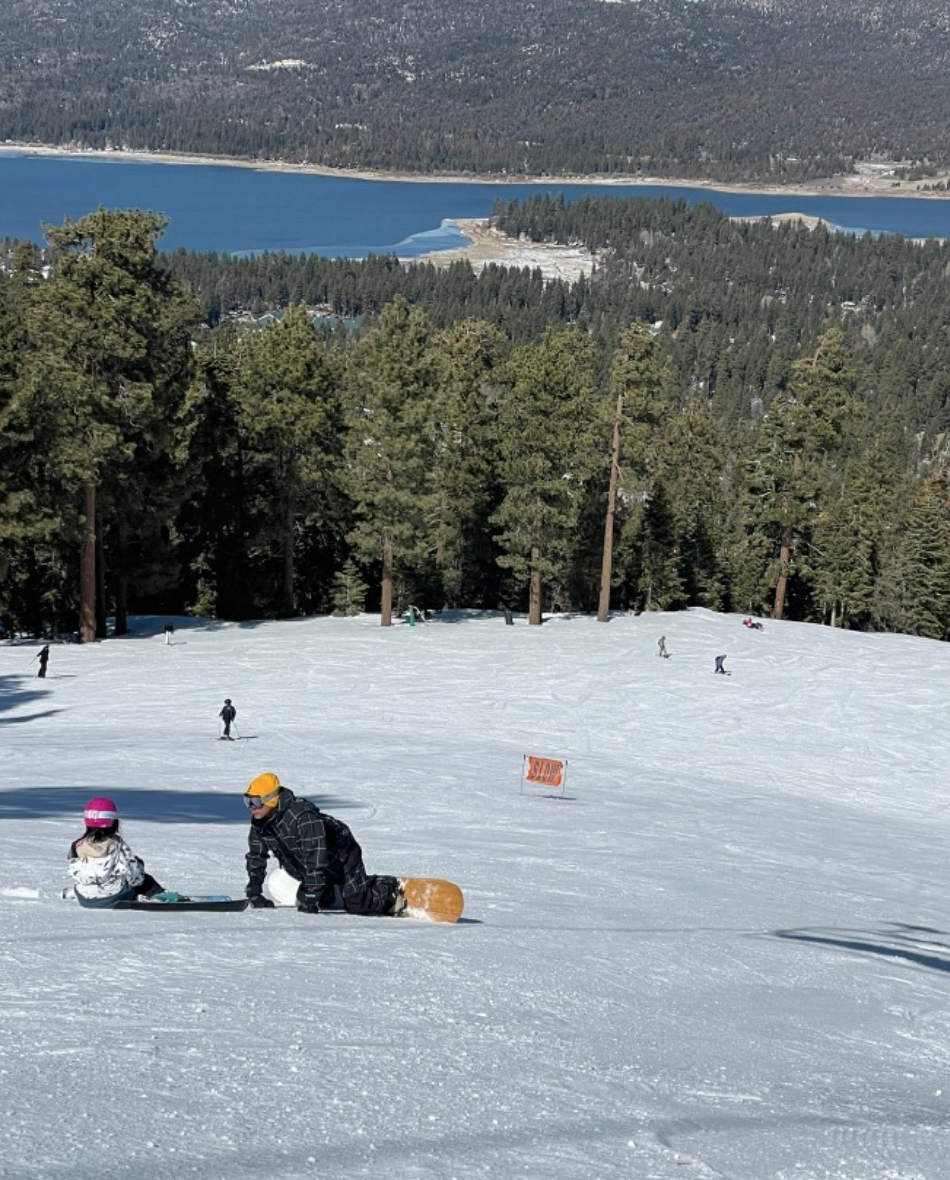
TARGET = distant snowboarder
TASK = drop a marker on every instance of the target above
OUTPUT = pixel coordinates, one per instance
(661, 648)
(227, 715)
(169, 632)
(720, 660)
(43, 658)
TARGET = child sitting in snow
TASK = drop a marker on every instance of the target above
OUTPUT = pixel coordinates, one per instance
(103, 867)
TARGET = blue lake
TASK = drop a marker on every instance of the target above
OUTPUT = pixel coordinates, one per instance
(238, 210)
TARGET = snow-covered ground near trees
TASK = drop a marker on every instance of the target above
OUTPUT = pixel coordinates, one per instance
(723, 953)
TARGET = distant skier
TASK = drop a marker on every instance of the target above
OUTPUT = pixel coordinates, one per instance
(720, 660)
(316, 849)
(103, 867)
(169, 632)
(227, 715)
(43, 658)
(661, 648)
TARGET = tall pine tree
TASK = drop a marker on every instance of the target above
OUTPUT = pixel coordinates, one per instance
(390, 444)
(108, 359)
(549, 420)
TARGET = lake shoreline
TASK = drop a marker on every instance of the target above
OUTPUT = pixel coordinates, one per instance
(869, 181)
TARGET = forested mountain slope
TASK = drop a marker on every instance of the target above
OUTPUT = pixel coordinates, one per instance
(782, 427)
(725, 89)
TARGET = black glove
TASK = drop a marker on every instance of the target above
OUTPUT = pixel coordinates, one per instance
(260, 902)
(307, 903)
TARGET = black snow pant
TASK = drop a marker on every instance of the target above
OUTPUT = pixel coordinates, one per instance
(361, 894)
(149, 887)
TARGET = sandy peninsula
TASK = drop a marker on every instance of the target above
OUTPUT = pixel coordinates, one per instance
(488, 245)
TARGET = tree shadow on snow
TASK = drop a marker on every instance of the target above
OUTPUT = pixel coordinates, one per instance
(153, 627)
(13, 694)
(921, 945)
(155, 806)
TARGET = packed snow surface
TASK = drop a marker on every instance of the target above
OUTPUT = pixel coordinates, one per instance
(721, 950)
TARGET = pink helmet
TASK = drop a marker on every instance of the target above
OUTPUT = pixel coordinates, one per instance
(100, 812)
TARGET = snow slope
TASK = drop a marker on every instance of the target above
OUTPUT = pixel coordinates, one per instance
(724, 954)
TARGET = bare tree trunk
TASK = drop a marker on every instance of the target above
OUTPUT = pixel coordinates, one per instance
(785, 558)
(606, 569)
(122, 605)
(386, 609)
(87, 567)
(785, 555)
(101, 632)
(122, 580)
(534, 593)
(287, 590)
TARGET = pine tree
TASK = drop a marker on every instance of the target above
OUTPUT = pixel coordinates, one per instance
(797, 433)
(213, 520)
(465, 483)
(288, 410)
(660, 583)
(854, 536)
(390, 444)
(694, 476)
(636, 389)
(109, 358)
(914, 591)
(24, 519)
(349, 590)
(549, 420)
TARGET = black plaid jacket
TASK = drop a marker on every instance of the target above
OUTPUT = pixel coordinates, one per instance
(309, 845)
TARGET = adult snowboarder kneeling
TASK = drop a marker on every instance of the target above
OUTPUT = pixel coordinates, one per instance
(316, 849)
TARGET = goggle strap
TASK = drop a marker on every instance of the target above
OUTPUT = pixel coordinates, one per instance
(262, 800)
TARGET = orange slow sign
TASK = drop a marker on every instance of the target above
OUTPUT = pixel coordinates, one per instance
(544, 770)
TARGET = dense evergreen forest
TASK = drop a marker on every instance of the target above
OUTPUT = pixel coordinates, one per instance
(760, 411)
(778, 90)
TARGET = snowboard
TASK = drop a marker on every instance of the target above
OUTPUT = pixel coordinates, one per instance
(178, 902)
(432, 899)
(429, 899)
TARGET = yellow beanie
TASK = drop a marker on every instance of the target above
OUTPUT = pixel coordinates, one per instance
(267, 787)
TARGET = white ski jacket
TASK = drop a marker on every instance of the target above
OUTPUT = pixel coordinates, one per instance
(104, 870)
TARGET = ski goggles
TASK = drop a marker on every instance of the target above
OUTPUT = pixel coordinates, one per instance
(253, 802)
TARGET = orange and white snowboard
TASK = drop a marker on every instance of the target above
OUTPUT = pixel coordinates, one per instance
(432, 899)
(427, 898)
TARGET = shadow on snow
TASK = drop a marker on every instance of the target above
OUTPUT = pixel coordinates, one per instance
(921, 945)
(13, 694)
(154, 806)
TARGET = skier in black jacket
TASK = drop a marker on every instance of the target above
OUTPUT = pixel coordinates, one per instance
(227, 715)
(318, 849)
